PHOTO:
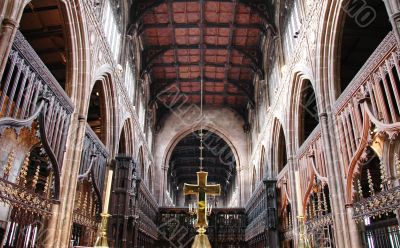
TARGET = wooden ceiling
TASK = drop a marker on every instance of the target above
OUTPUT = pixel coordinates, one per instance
(42, 24)
(187, 42)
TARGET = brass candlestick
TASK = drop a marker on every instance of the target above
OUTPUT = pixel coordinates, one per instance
(101, 240)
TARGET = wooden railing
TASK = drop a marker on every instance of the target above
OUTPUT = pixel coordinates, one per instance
(256, 212)
(31, 97)
(147, 211)
(226, 227)
(25, 84)
(379, 79)
(311, 160)
(94, 158)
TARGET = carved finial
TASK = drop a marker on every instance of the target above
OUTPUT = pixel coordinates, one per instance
(78, 200)
(47, 184)
(314, 208)
(85, 201)
(21, 179)
(359, 188)
(319, 202)
(10, 163)
(36, 177)
(370, 183)
(94, 210)
(384, 178)
(89, 210)
(325, 202)
(397, 161)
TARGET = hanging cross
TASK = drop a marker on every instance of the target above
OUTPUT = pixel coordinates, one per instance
(201, 190)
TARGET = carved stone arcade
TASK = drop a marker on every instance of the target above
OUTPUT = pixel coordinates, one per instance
(88, 203)
(32, 104)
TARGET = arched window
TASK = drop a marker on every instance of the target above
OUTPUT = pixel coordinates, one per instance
(150, 179)
(308, 112)
(141, 163)
(365, 26)
(96, 117)
(125, 146)
(111, 29)
(282, 155)
(262, 163)
(42, 25)
(130, 80)
(253, 179)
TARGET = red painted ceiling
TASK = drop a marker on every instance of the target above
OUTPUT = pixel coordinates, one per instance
(217, 41)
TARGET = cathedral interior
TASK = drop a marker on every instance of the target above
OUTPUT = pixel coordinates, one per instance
(112, 111)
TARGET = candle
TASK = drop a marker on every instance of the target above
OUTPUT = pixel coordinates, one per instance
(108, 191)
(298, 194)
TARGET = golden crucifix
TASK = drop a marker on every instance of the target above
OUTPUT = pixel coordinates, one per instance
(201, 190)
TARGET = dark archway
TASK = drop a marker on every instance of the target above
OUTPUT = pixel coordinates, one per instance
(279, 152)
(219, 161)
(125, 145)
(308, 111)
(366, 24)
(43, 26)
(262, 164)
(96, 117)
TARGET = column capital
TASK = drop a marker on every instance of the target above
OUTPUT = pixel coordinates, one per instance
(10, 23)
(323, 115)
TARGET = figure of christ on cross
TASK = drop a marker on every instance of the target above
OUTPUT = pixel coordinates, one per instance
(201, 190)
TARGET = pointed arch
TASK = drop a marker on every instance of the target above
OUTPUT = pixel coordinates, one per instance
(253, 179)
(150, 179)
(141, 164)
(279, 150)
(262, 165)
(126, 144)
(304, 106)
(101, 109)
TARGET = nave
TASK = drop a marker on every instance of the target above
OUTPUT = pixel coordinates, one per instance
(109, 109)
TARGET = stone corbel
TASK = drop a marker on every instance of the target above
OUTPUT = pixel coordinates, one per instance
(392, 129)
(18, 124)
(311, 155)
(85, 175)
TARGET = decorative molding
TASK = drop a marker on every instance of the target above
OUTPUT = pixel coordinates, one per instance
(319, 222)
(374, 61)
(24, 199)
(379, 204)
(26, 51)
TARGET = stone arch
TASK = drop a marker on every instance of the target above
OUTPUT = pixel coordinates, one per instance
(150, 178)
(236, 179)
(126, 139)
(303, 108)
(66, 43)
(101, 109)
(141, 163)
(262, 164)
(329, 47)
(181, 123)
(278, 151)
(253, 179)
(184, 133)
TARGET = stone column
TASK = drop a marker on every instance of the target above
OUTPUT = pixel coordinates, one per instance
(393, 9)
(59, 228)
(354, 233)
(11, 13)
(292, 169)
(335, 182)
